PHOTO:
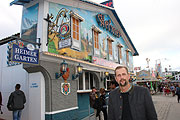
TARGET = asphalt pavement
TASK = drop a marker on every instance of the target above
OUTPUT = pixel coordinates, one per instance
(167, 107)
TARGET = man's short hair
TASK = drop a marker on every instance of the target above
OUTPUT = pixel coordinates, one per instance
(18, 86)
(120, 67)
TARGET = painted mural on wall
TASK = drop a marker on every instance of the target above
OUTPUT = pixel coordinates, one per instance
(29, 23)
(60, 37)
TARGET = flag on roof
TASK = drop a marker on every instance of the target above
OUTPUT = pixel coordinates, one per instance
(108, 3)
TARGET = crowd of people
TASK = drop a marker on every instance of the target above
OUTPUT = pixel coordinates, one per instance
(100, 104)
(170, 89)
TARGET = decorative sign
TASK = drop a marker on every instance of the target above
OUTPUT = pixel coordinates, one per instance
(64, 29)
(65, 88)
(104, 62)
(25, 54)
(107, 25)
(9, 56)
(65, 43)
(144, 74)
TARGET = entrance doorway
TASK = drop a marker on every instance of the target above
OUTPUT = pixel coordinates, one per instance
(36, 96)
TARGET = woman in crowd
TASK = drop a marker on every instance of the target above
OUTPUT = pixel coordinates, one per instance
(102, 107)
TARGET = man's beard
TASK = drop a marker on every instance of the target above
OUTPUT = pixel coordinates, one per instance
(123, 85)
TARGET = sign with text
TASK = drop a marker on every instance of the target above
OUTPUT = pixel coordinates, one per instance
(24, 54)
(103, 62)
(65, 43)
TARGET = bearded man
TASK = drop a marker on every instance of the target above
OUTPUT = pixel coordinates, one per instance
(129, 102)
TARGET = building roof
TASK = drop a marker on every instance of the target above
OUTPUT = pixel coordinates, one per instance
(22, 2)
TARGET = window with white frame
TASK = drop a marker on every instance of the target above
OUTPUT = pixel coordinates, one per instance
(96, 31)
(75, 30)
(87, 80)
(110, 49)
(120, 46)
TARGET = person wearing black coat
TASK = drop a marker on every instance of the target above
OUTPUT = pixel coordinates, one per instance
(102, 105)
(178, 93)
(16, 102)
(129, 102)
(1, 103)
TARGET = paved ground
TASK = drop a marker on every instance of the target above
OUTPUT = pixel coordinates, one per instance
(167, 107)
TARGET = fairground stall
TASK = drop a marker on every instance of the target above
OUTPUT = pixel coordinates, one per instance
(147, 79)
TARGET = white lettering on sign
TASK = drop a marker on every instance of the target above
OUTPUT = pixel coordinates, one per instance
(25, 58)
(25, 52)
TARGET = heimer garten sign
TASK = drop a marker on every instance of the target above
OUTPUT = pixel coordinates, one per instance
(25, 54)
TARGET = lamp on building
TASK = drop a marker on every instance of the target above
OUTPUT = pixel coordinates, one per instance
(106, 74)
(63, 68)
(79, 71)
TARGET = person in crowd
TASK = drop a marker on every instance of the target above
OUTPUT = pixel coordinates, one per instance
(113, 84)
(167, 90)
(102, 106)
(16, 102)
(178, 93)
(161, 88)
(172, 88)
(154, 87)
(93, 98)
(130, 102)
(0, 103)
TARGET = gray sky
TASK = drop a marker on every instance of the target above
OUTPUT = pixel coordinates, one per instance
(152, 25)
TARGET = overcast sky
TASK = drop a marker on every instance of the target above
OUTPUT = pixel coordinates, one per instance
(152, 25)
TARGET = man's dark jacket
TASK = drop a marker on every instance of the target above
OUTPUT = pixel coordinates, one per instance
(16, 100)
(140, 101)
